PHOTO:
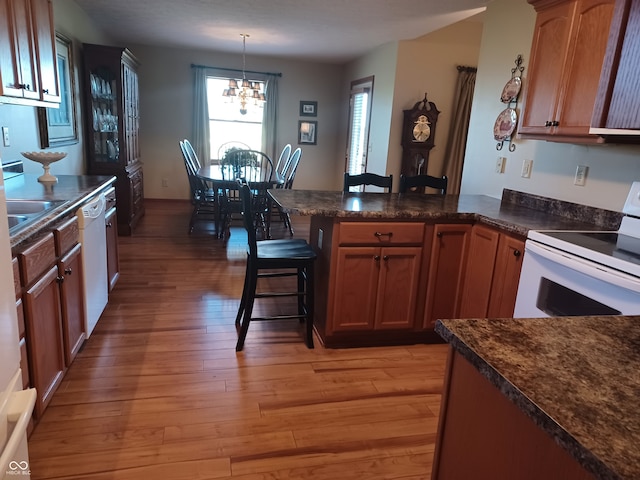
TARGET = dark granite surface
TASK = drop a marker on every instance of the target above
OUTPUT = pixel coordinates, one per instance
(69, 192)
(510, 217)
(577, 378)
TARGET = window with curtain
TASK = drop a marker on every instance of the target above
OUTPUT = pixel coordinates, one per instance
(227, 124)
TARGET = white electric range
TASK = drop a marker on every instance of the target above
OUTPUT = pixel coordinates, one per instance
(570, 273)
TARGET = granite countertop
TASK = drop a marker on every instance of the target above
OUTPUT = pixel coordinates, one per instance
(516, 213)
(70, 192)
(577, 378)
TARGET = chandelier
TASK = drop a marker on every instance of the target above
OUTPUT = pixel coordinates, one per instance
(248, 92)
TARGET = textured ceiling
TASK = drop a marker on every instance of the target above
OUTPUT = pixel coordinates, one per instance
(333, 31)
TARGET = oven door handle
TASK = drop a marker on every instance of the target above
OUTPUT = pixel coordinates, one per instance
(595, 270)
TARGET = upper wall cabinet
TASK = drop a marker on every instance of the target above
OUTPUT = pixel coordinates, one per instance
(617, 109)
(569, 44)
(28, 65)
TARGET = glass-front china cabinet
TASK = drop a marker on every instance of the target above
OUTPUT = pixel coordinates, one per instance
(112, 125)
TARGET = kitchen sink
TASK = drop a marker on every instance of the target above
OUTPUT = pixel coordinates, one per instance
(28, 207)
(16, 220)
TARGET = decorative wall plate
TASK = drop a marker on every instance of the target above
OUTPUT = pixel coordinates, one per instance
(505, 124)
(511, 90)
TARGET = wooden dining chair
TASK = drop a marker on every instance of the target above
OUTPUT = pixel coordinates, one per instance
(256, 168)
(367, 179)
(418, 183)
(274, 259)
(283, 164)
(203, 198)
(192, 153)
(287, 182)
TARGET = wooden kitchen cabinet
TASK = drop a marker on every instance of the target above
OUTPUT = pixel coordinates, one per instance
(617, 102)
(446, 272)
(111, 227)
(483, 435)
(492, 274)
(375, 276)
(28, 62)
(567, 53)
(69, 252)
(43, 318)
(378, 288)
(112, 127)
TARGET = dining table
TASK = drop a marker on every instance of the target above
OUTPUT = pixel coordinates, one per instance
(224, 188)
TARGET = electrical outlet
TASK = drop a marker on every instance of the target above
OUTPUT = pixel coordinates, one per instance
(527, 166)
(165, 182)
(500, 162)
(5, 136)
(581, 175)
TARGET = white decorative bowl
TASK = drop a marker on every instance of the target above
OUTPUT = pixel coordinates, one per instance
(45, 159)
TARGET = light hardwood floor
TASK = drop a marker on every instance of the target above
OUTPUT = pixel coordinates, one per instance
(158, 391)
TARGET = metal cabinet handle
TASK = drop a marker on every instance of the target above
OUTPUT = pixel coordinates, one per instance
(555, 123)
(60, 279)
(381, 234)
(547, 123)
(109, 225)
(376, 258)
(385, 258)
(439, 234)
(517, 253)
(68, 271)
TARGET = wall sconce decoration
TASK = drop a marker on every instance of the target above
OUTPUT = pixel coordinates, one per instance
(507, 119)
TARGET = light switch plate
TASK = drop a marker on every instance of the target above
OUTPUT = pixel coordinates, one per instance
(581, 175)
(527, 166)
(500, 162)
(5, 136)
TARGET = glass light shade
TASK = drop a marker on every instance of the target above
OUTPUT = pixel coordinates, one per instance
(233, 83)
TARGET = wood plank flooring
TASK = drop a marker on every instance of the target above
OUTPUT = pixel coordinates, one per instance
(158, 391)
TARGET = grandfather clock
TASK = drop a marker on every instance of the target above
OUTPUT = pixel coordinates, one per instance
(418, 133)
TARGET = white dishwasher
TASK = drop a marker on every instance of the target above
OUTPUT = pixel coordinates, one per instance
(93, 238)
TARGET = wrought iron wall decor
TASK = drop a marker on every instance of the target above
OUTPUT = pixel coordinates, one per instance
(507, 119)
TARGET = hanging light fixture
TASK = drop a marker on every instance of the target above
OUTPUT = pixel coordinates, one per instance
(248, 91)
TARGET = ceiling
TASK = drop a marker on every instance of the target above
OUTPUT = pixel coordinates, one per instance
(332, 31)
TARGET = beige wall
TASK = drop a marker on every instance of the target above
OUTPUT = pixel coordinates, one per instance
(611, 168)
(72, 22)
(166, 105)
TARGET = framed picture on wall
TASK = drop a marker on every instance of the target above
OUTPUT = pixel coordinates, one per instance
(308, 109)
(307, 132)
(58, 126)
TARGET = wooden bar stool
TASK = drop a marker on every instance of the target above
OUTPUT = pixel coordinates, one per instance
(274, 259)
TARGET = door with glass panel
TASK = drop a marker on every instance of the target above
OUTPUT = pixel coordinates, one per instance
(359, 121)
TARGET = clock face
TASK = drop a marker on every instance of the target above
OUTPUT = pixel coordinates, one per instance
(421, 130)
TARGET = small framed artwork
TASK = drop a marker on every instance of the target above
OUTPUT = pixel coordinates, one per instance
(307, 132)
(58, 126)
(308, 109)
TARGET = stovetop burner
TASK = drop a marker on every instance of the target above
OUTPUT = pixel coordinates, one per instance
(613, 244)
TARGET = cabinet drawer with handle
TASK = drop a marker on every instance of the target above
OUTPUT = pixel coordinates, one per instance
(381, 233)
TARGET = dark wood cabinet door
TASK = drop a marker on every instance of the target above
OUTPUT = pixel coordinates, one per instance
(480, 272)
(44, 337)
(397, 287)
(45, 46)
(446, 272)
(72, 295)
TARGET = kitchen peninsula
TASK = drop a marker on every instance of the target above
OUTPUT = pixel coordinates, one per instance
(390, 265)
(540, 398)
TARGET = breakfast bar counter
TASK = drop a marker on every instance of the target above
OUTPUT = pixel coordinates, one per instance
(576, 378)
(389, 265)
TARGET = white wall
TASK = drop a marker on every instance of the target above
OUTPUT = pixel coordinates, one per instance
(166, 105)
(508, 31)
(71, 21)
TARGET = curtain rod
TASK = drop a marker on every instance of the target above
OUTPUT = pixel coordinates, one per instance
(466, 69)
(193, 65)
